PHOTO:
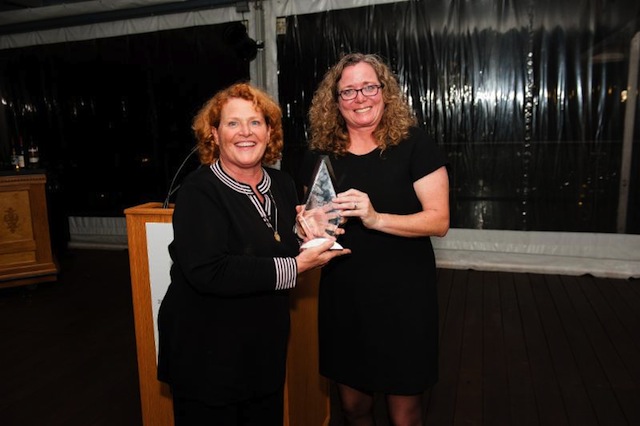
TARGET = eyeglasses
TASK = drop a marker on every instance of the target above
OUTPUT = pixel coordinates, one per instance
(368, 91)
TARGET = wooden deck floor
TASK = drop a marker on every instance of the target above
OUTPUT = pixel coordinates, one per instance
(516, 349)
(528, 349)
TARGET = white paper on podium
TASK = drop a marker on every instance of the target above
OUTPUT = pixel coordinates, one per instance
(159, 236)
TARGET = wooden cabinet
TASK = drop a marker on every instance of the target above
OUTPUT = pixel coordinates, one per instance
(25, 244)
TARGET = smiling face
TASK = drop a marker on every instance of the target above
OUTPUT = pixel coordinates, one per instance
(362, 112)
(242, 135)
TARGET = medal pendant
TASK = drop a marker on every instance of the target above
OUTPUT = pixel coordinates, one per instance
(276, 236)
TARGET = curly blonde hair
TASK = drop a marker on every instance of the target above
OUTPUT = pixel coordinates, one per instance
(209, 117)
(328, 127)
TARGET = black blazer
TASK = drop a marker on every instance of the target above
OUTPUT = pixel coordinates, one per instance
(223, 326)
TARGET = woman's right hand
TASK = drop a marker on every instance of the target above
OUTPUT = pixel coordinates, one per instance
(318, 256)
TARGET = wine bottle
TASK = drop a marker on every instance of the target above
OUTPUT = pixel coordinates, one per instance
(21, 162)
(14, 158)
(34, 155)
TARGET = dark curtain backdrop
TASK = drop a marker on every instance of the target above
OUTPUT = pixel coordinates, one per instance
(525, 97)
(112, 117)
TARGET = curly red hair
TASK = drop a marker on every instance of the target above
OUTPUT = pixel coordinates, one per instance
(209, 117)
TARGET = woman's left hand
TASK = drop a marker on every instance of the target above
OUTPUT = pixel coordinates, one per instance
(314, 224)
(354, 203)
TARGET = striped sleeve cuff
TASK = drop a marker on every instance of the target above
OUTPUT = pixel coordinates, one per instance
(286, 272)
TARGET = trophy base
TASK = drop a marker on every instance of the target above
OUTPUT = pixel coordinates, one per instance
(317, 241)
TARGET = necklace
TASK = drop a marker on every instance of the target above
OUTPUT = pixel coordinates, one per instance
(264, 208)
(271, 206)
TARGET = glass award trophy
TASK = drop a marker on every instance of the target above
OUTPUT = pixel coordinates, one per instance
(319, 218)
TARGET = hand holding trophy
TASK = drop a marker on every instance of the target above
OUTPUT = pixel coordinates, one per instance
(319, 219)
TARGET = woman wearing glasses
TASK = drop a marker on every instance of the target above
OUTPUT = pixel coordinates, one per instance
(378, 311)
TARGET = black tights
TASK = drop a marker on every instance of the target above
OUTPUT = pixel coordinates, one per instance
(357, 408)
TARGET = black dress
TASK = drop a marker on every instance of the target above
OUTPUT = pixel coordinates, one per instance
(378, 311)
(224, 322)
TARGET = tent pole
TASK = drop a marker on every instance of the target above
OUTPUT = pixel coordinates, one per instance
(627, 138)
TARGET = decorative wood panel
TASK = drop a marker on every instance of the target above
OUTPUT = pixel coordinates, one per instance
(25, 244)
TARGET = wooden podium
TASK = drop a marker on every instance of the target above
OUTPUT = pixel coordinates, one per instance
(155, 397)
(306, 400)
(306, 392)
